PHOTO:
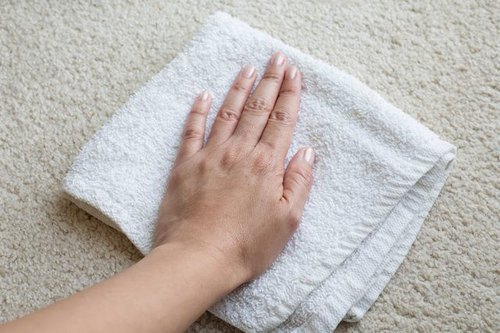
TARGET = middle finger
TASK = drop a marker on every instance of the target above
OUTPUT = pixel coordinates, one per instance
(260, 104)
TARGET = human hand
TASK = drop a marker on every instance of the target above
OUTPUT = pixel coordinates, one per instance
(233, 197)
(229, 209)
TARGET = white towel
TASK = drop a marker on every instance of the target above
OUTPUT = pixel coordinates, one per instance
(377, 174)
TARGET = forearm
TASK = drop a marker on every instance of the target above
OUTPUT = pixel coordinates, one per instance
(164, 292)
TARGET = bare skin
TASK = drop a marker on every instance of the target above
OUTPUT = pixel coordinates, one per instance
(229, 209)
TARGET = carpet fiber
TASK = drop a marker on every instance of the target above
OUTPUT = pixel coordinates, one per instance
(66, 66)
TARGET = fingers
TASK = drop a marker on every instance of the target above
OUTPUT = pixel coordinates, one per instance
(194, 129)
(297, 182)
(259, 105)
(230, 111)
(279, 129)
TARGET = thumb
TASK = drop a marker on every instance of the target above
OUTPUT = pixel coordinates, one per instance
(298, 180)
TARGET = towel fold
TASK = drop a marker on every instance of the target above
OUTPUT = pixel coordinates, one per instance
(377, 174)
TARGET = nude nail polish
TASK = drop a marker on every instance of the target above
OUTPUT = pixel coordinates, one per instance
(278, 59)
(291, 73)
(204, 95)
(309, 155)
(248, 71)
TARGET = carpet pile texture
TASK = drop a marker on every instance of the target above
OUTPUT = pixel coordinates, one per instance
(66, 66)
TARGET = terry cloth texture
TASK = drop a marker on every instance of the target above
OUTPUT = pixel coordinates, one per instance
(377, 175)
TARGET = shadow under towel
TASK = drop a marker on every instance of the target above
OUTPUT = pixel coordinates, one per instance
(377, 174)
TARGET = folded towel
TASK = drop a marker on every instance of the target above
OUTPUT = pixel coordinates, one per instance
(377, 174)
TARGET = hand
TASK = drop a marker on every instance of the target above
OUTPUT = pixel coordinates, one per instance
(228, 211)
(232, 197)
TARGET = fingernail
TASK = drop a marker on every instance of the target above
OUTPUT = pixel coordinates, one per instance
(291, 73)
(309, 155)
(248, 71)
(204, 95)
(278, 59)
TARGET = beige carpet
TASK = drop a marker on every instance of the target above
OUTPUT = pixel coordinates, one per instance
(66, 66)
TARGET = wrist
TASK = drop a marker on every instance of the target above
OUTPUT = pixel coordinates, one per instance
(214, 267)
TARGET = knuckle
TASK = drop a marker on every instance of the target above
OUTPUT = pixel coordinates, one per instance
(192, 133)
(282, 115)
(239, 86)
(197, 110)
(289, 90)
(203, 165)
(262, 162)
(230, 157)
(293, 218)
(228, 113)
(272, 76)
(257, 106)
